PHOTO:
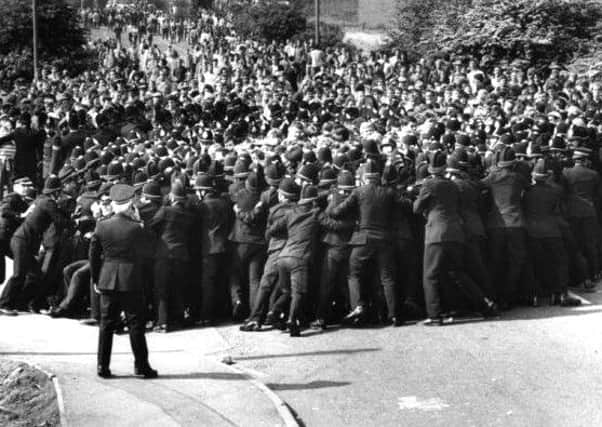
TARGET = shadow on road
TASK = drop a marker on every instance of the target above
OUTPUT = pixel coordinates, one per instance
(307, 386)
(308, 353)
(192, 376)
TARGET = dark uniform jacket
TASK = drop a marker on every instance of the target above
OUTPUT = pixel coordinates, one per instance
(276, 238)
(249, 224)
(115, 254)
(302, 228)
(470, 206)
(439, 200)
(583, 185)
(176, 228)
(44, 213)
(147, 212)
(506, 187)
(11, 208)
(374, 206)
(337, 232)
(215, 218)
(28, 145)
(541, 205)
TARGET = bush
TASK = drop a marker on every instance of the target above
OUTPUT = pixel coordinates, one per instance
(540, 31)
(268, 21)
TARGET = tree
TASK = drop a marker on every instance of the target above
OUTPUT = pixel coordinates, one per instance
(59, 30)
(539, 31)
(268, 21)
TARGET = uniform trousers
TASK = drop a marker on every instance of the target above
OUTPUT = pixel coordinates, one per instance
(335, 267)
(19, 288)
(76, 278)
(267, 285)
(547, 255)
(444, 268)
(111, 305)
(293, 278)
(247, 263)
(507, 257)
(474, 259)
(171, 278)
(585, 231)
(382, 254)
(210, 267)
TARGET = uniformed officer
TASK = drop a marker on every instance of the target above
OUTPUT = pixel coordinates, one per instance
(584, 189)
(439, 201)
(374, 205)
(25, 244)
(117, 273)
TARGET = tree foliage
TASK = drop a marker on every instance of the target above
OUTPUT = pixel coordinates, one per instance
(268, 21)
(537, 30)
(59, 31)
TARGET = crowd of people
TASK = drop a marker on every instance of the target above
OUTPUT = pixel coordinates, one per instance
(293, 185)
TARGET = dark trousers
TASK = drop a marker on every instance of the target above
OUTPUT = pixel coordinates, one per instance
(585, 231)
(293, 277)
(111, 305)
(247, 263)
(210, 269)
(407, 270)
(575, 271)
(360, 260)
(547, 256)
(171, 277)
(269, 282)
(335, 266)
(77, 282)
(443, 269)
(474, 260)
(507, 257)
(25, 264)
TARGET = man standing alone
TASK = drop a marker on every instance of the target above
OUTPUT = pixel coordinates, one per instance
(117, 274)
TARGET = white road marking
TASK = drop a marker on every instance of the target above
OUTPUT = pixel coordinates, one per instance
(413, 403)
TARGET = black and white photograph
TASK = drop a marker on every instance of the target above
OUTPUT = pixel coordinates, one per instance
(300, 213)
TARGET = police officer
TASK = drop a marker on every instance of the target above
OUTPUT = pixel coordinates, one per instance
(117, 274)
(25, 244)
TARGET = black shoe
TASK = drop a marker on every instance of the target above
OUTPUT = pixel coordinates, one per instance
(276, 320)
(8, 312)
(430, 321)
(569, 301)
(294, 328)
(356, 316)
(162, 329)
(250, 326)
(318, 324)
(58, 312)
(89, 322)
(104, 372)
(491, 309)
(32, 308)
(237, 311)
(145, 372)
(397, 321)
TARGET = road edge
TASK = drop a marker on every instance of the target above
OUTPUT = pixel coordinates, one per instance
(281, 406)
(57, 390)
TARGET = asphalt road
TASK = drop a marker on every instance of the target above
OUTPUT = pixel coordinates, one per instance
(532, 367)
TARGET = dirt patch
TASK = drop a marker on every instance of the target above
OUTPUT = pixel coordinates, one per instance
(27, 397)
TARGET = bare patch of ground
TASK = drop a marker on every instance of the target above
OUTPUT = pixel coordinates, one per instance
(27, 397)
